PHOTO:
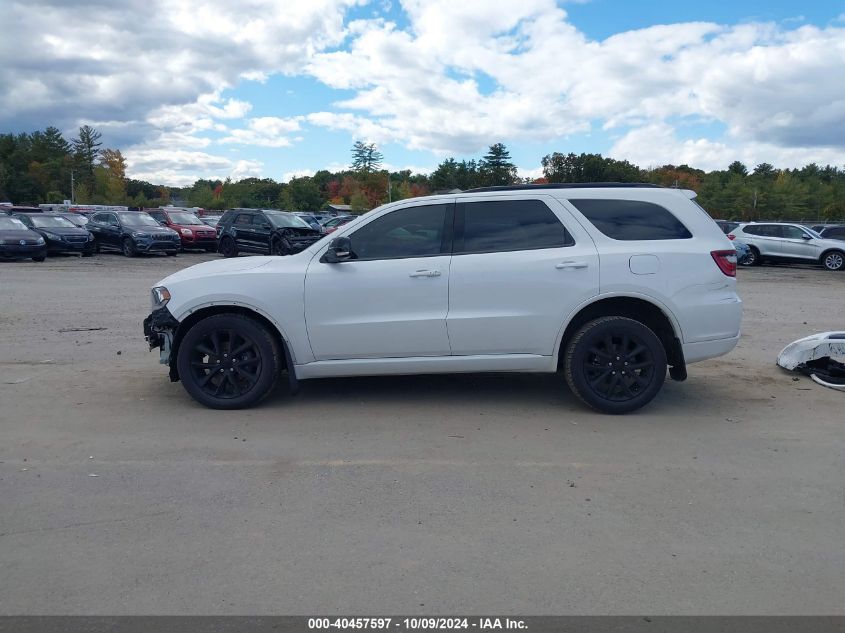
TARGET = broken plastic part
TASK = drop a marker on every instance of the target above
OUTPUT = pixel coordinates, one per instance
(812, 356)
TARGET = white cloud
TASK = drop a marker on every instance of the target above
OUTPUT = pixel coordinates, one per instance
(179, 168)
(266, 131)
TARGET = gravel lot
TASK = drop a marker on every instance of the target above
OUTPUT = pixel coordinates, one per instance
(441, 494)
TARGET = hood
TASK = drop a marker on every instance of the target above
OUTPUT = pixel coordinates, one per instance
(217, 267)
(63, 230)
(18, 234)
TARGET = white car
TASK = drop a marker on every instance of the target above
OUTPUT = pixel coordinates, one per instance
(776, 241)
(609, 284)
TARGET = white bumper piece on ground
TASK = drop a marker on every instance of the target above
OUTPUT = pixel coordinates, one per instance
(812, 355)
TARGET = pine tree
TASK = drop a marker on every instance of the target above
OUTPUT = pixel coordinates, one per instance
(496, 166)
(365, 157)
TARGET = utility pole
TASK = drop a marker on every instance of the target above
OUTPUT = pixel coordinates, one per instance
(71, 186)
(389, 193)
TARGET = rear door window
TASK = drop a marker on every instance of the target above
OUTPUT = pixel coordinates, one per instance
(792, 232)
(509, 225)
(632, 220)
(244, 219)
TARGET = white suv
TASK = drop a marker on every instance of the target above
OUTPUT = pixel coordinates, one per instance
(610, 284)
(789, 242)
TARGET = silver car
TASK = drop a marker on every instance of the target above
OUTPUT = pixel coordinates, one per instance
(773, 241)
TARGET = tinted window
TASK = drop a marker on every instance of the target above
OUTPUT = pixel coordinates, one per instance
(243, 219)
(511, 225)
(102, 218)
(836, 234)
(768, 230)
(632, 220)
(410, 232)
(792, 232)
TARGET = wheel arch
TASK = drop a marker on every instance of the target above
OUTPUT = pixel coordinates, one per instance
(645, 310)
(200, 312)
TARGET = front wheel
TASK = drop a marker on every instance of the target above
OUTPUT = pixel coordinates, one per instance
(833, 260)
(281, 246)
(228, 361)
(129, 249)
(615, 364)
(228, 248)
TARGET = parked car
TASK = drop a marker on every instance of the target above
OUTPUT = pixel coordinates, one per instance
(611, 284)
(211, 220)
(17, 241)
(727, 226)
(833, 232)
(310, 220)
(193, 232)
(132, 232)
(332, 225)
(742, 251)
(770, 241)
(264, 231)
(77, 219)
(60, 235)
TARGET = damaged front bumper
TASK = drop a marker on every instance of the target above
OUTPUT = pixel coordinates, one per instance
(812, 355)
(159, 330)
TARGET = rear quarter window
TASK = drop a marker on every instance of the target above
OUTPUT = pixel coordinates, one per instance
(632, 220)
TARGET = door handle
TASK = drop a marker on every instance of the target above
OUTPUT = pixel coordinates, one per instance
(425, 273)
(571, 265)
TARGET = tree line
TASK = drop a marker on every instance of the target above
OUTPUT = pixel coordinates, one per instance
(43, 166)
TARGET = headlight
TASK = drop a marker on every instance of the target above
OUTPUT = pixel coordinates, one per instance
(51, 236)
(160, 297)
(187, 232)
(2, 242)
(40, 241)
(90, 236)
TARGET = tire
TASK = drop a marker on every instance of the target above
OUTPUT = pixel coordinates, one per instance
(172, 253)
(39, 259)
(833, 260)
(598, 356)
(129, 249)
(87, 254)
(241, 381)
(280, 246)
(753, 258)
(97, 246)
(228, 248)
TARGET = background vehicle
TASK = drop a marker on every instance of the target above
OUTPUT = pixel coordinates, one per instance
(742, 251)
(17, 241)
(192, 231)
(60, 235)
(789, 243)
(310, 219)
(77, 219)
(264, 231)
(833, 232)
(332, 225)
(496, 279)
(211, 220)
(727, 226)
(132, 232)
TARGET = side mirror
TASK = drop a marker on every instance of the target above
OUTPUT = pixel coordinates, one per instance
(804, 236)
(339, 250)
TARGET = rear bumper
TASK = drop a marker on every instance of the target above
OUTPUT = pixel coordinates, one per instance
(694, 352)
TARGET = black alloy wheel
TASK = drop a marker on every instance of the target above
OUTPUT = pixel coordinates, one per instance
(129, 248)
(228, 361)
(228, 248)
(615, 364)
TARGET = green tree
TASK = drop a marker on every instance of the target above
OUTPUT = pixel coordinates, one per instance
(365, 157)
(86, 148)
(301, 194)
(496, 166)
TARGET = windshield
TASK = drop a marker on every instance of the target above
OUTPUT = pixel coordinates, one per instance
(184, 218)
(137, 219)
(78, 220)
(12, 224)
(286, 220)
(51, 221)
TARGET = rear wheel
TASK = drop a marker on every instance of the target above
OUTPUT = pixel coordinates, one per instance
(129, 248)
(228, 361)
(615, 364)
(753, 257)
(833, 260)
(228, 248)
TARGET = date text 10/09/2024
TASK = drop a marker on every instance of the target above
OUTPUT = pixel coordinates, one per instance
(417, 623)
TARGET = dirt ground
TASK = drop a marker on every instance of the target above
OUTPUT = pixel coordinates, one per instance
(435, 494)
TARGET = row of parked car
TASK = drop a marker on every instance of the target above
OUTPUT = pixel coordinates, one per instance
(822, 244)
(28, 232)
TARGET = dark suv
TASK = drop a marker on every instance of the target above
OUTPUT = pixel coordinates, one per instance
(193, 231)
(264, 231)
(132, 232)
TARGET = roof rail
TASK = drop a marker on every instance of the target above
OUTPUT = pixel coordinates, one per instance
(566, 185)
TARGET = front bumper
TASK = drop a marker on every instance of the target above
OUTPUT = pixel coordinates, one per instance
(10, 251)
(159, 330)
(67, 246)
(157, 246)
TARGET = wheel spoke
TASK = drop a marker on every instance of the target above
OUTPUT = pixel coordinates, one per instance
(241, 348)
(252, 378)
(215, 341)
(639, 349)
(596, 351)
(600, 378)
(205, 379)
(205, 350)
(195, 363)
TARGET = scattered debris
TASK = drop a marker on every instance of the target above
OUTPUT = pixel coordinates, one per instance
(82, 329)
(811, 356)
(93, 475)
(457, 436)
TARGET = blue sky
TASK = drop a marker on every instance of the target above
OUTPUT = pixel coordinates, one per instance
(274, 89)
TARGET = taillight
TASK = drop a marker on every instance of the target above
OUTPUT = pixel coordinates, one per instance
(731, 236)
(726, 261)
